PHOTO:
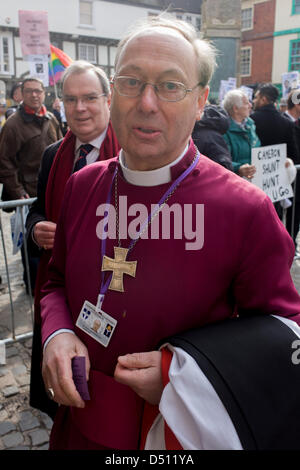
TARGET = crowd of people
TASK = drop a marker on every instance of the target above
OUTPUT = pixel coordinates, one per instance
(139, 138)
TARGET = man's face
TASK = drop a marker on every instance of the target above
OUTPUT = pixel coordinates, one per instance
(87, 112)
(153, 132)
(33, 95)
(258, 100)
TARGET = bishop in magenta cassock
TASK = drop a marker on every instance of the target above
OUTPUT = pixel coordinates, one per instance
(238, 266)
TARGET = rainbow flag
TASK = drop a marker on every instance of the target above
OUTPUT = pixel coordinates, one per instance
(59, 62)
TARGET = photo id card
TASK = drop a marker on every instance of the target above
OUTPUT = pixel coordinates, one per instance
(96, 323)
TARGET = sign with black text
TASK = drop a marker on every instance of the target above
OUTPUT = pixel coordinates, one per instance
(271, 175)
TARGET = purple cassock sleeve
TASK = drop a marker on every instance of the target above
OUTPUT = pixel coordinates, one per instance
(263, 282)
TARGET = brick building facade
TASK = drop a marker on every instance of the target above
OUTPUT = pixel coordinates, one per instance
(258, 23)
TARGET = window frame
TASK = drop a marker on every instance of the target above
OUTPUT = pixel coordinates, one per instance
(86, 25)
(294, 12)
(252, 18)
(8, 36)
(86, 44)
(292, 41)
(249, 48)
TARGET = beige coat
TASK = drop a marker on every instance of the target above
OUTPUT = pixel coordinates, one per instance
(23, 140)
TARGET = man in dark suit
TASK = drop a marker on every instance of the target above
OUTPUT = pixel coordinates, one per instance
(86, 96)
(273, 128)
(293, 115)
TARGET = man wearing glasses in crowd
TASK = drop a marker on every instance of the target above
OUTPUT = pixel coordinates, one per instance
(86, 97)
(23, 140)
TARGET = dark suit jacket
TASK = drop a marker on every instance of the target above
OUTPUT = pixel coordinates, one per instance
(272, 128)
(37, 211)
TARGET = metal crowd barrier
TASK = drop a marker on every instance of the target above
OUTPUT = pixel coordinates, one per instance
(12, 205)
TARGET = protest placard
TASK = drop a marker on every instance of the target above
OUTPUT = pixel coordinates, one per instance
(248, 92)
(34, 34)
(38, 65)
(271, 175)
(225, 86)
(290, 81)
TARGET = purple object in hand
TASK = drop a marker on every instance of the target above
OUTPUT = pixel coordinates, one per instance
(79, 377)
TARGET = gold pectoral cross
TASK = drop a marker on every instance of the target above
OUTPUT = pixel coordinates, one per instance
(119, 266)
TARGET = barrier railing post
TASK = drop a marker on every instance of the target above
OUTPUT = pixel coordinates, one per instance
(8, 281)
(27, 265)
(13, 205)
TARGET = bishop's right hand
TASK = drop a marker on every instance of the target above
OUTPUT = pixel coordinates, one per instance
(57, 370)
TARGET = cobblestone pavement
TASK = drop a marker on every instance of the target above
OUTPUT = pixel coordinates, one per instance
(21, 426)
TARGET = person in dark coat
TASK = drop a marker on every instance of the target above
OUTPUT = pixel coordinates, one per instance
(208, 135)
(16, 96)
(271, 127)
(293, 115)
(87, 96)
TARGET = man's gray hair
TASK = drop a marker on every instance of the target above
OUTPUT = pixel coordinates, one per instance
(233, 98)
(204, 50)
(81, 66)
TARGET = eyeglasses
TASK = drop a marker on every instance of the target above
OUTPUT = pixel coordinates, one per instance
(166, 91)
(86, 100)
(29, 91)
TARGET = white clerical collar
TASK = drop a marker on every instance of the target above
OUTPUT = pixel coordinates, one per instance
(96, 142)
(151, 177)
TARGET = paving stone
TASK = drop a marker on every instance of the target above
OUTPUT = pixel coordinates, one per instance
(6, 427)
(39, 437)
(12, 440)
(10, 391)
(28, 421)
(46, 420)
(3, 415)
(7, 379)
(12, 351)
(20, 448)
(23, 380)
(19, 370)
(3, 371)
(44, 447)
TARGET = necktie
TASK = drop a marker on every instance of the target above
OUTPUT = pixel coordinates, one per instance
(81, 162)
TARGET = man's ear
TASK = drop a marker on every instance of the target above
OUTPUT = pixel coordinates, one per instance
(202, 98)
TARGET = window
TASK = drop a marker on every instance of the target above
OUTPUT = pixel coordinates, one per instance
(247, 18)
(245, 67)
(296, 7)
(295, 55)
(6, 55)
(85, 12)
(87, 52)
(198, 23)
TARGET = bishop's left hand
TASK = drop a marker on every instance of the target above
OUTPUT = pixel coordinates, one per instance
(141, 372)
